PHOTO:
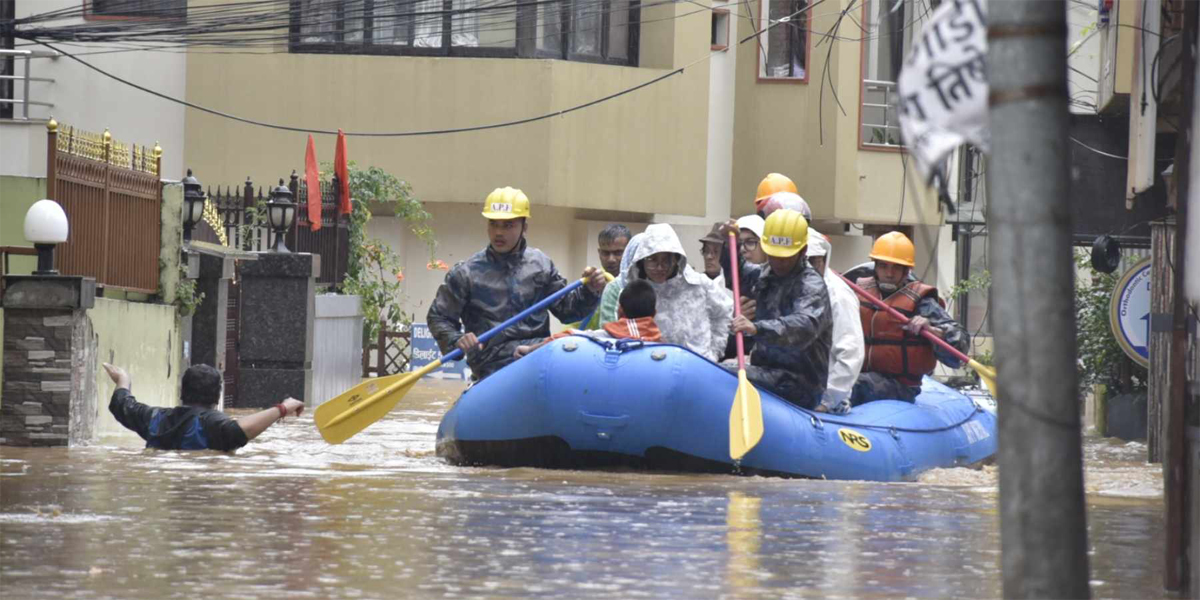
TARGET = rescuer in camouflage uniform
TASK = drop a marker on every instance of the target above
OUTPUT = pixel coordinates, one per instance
(499, 282)
(792, 329)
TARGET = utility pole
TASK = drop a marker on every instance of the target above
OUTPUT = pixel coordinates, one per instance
(1175, 485)
(1043, 527)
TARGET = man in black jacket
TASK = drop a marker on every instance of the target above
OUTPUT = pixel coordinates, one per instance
(196, 425)
(791, 331)
(499, 282)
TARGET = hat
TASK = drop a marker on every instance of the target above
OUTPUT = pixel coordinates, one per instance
(714, 236)
(754, 223)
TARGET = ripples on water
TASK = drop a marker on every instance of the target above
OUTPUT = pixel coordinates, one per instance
(381, 517)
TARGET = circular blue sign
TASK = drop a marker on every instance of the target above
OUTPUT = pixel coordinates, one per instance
(1129, 312)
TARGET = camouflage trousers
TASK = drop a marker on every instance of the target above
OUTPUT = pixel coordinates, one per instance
(495, 356)
(877, 386)
(781, 383)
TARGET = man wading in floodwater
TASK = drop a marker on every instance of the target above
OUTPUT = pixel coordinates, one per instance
(499, 282)
(196, 425)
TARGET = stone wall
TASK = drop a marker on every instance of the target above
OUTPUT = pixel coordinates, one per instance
(45, 351)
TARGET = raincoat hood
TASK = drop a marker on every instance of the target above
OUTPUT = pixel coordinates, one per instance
(818, 245)
(693, 310)
(660, 237)
(630, 249)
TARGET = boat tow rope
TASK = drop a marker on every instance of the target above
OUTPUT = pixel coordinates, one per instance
(625, 345)
(891, 428)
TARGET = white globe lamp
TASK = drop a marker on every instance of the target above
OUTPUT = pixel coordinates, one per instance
(46, 226)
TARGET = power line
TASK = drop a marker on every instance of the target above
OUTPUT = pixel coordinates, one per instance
(218, 113)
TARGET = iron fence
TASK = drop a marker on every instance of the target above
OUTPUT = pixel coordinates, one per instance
(112, 196)
(235, 216)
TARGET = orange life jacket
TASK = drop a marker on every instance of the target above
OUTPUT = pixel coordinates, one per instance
(890, 350)
(644, 329)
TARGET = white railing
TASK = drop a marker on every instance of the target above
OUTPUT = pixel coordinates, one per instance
(27, 77)
(880, 127)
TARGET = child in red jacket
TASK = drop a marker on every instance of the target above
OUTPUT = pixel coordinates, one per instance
(635, 320)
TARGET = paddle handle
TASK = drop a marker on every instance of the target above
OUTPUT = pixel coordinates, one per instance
(737, 297)
(457, 353)
(900, 316)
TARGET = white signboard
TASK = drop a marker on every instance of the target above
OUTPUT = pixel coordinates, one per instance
(1129, 312)
(943, 86)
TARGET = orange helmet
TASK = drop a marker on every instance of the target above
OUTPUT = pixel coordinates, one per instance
(773, 182)
(894, 247)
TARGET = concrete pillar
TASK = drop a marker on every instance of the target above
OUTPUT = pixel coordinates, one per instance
(49, 361)
(275, 346)
(209, 321)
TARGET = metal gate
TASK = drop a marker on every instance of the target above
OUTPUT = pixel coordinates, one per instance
(233, 327)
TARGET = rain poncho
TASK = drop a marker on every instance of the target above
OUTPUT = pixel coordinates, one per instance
(795, 330)
(693, 310)
(489, 288)
(610, 299)
(846, 355)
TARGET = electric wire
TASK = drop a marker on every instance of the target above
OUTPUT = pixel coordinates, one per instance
(578, 107)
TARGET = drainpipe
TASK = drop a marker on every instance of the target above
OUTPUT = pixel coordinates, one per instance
(1143, 109)
(1042, 519)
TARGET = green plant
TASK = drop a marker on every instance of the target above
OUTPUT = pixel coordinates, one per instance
(880, 136)
(977, 281)
(187, 299)
(373, 272)
(1100, 357)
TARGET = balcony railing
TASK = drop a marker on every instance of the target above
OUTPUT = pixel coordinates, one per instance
(22, 81)
(880, 126)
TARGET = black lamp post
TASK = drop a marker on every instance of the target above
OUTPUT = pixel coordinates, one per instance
(280, 212)
(193, 205)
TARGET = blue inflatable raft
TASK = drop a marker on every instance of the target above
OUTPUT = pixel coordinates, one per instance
(581, 403)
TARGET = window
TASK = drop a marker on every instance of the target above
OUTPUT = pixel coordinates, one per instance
(970, 231)
(889, 29)
(158, 9)
(971, 309)
(720, 29)
(589, 30)
(783, 50)
(8, 12)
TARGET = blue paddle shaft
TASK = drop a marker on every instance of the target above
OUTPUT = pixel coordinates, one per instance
(457, 353)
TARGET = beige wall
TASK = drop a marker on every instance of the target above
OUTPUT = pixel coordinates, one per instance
(91, 101)
(643, 152)
(144, 339)
(779, 128)
(461, 231)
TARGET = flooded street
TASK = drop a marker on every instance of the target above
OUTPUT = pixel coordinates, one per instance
(382, 517)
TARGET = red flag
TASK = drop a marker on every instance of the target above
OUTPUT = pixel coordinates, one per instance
(342, 170)
(313, 179)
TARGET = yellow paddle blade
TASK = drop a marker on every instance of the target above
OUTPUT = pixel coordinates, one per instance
(363, 404)
(368, 387)
(987, 374)
(745, 418)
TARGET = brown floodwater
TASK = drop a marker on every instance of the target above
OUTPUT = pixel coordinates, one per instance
(381, 517)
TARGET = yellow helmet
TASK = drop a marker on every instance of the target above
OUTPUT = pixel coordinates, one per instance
(894, 247)
(506, 203)
(785, 233)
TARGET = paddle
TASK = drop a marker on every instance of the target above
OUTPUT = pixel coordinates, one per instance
(745, 417)
(367, 402)
(987, 374)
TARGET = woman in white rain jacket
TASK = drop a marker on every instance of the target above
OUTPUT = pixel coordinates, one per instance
(693, 310)
(846, 354)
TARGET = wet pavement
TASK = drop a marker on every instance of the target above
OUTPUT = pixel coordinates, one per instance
(382, 517)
